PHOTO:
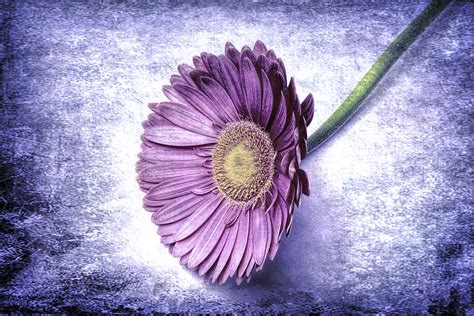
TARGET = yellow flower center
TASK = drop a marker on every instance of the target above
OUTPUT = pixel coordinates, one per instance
(243, 162)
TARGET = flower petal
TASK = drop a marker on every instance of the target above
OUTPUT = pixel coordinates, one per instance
(198, 64)
(166, 153)
(185, 116)
(251, 89)
(214, 67)
(184, 71)
(233, 54)
(231, 83)
(278, 124)
(267, 101)
(172, 95)
(246, 52)
(212, 258)
(241, 242)
(248, 254)
(177, 209)
(156, 173)
(201, 103)
(220, 98)
(282, 67)
(185, 246)
(285, 138)
(259, 48)
(307, 107)
(199, 217)
(276, 221)
(260, 234)
(262, 63)
(176, 187)
(285, 214)
(304, 181)
(226, 253)
(210, 236)
(173, 135)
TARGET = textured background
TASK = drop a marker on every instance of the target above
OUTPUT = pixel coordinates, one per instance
(386, 229)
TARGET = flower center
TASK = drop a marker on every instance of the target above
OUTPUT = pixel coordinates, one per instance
(243, 162)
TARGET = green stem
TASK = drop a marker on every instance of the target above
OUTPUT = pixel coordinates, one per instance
(375, 73)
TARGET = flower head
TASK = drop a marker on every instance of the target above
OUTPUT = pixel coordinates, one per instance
(220, 162)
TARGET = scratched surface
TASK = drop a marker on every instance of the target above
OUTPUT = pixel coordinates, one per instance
(386, 229)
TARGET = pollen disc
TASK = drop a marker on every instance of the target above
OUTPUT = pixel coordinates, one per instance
(243, 162)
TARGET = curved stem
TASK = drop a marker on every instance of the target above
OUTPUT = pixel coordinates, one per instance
(375, 73)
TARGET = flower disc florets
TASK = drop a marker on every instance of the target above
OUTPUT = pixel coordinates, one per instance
(243, 162)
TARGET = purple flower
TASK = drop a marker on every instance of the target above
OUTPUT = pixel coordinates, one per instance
(220, 162)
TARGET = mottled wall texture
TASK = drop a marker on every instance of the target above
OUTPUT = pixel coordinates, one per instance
(387, 228)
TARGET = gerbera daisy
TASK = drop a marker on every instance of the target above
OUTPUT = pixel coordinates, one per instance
(220, 162)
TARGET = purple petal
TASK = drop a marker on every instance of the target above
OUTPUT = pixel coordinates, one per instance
(284, 211)
(285, 139)
(247, 52)
(262, 63)
(232, 216)
(203, 151)
(226, 252)
(250, 267)
(271, 55)
(210, 236)
(276, 231)
(284, 163)
(214, 67)
(267, 101)
(259, 48)
(199, 217)
(269, 237)
(282, 67)
(209, 187)
(278, 124)
(186, 245)
(231, 82)
(247, 256)
(220, 98)
(172, 95)
(260, 234)
(184, 71)
(201, 103)
(303, 146)
(186, 117)
(184, 259)
(155, 119)
(177, 209)
(165, 153)
(251, 88)
(297, 185)
(177, 79)
(198, 64)
(173, 135)
(240, 243)
(293, 98)
(176, 187)
(283, 184)
(304, 181)
(272, 197)
(212, 258)
(205, 61)
(156, 173)
(307, 107)
(140, 165)
(233, 54)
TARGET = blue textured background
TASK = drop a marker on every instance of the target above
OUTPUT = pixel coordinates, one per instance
(388, 227)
